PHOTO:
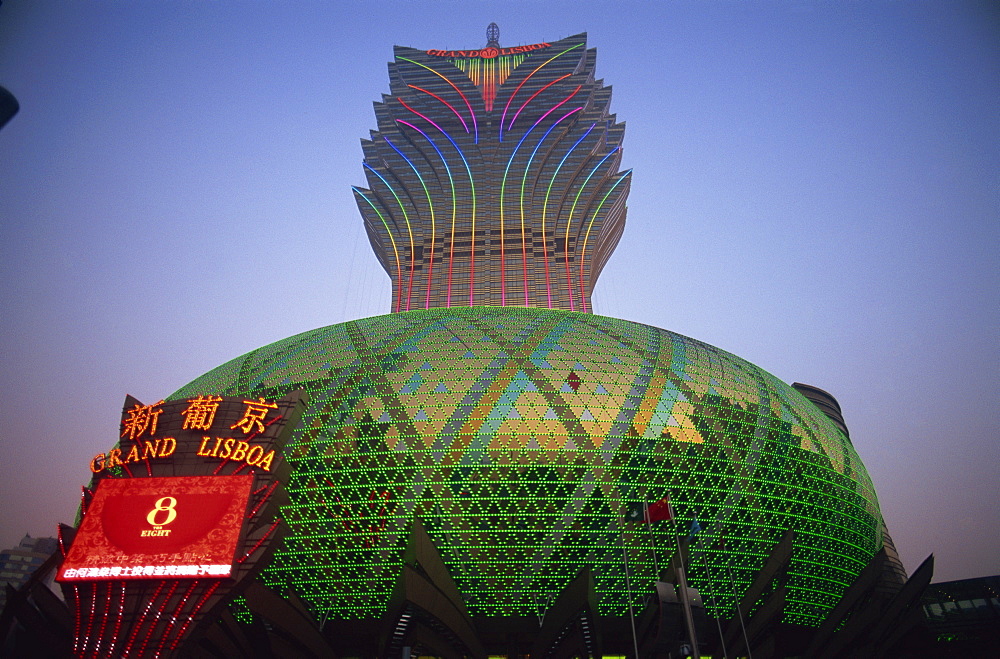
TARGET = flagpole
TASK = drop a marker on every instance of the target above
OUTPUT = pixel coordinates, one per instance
(628, 590)
(732, 582)
(652, 543)
(736, 596)
(718, 624)
(685, 598)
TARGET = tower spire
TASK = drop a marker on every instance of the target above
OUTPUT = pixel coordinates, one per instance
(493, 35)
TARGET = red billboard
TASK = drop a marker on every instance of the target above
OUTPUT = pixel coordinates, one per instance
(161, 527)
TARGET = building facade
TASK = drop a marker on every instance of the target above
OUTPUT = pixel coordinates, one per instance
(458, 477)
(521, 437)
(17, 563)
(493, 177)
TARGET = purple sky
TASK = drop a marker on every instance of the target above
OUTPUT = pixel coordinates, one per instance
(816, 189)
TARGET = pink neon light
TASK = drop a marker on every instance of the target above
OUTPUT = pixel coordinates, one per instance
(451, 255)
(545, 244)
(599, 206)
(524, 245)
(526, 79)
(569, 276)
(430, 265)
(448, 80)
(450, 107)
(525, 104)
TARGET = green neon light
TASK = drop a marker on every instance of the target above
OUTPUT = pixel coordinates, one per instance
(395, 251)
(466, 416)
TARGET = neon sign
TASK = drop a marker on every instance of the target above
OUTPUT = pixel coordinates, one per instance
(489, 52)
(237, 451)
(151, 528)
(183, 420)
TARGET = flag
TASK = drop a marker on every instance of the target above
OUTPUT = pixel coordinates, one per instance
(695, 528)
(659, 511)
(649, 513)
(636, 513)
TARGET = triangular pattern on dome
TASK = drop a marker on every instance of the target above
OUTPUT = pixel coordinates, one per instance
(537, 479)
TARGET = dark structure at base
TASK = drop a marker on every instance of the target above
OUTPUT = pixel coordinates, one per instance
(427, 616)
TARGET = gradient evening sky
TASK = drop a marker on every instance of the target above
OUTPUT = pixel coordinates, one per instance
(816, 189)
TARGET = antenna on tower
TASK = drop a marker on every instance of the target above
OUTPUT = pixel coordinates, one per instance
(493, 35)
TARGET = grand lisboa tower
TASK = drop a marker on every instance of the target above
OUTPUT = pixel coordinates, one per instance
(492, 407)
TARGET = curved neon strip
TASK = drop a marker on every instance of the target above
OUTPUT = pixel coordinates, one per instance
(593, 218)
(472, 186)
(524, 180)
(443, 77)
(409, 229)
(528, 77)
(399, 266)
(525, 104)
(569, 223)
(545, 210)
(430, 203)
(454, 212)
(450, 106)
(503, 187)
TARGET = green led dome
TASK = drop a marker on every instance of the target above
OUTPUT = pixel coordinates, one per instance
(521, 437)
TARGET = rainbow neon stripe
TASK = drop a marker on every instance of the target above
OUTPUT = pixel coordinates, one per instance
(533, 133)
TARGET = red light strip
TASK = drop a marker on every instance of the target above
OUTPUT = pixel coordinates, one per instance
(90, 622)
(262, 500)
(503, 186)
(158, 617)
(142, 618)
(450, 107)
(178, 612)
(197, 608)
(118, 619)
(526, 79)
(472, 113)
(104, 618)
(524, 238)
(472, 188)
(525, 104)
(76, 619)
(83, 501)
(261, 541)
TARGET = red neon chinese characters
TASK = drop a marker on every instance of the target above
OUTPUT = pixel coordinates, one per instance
(254, 416)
